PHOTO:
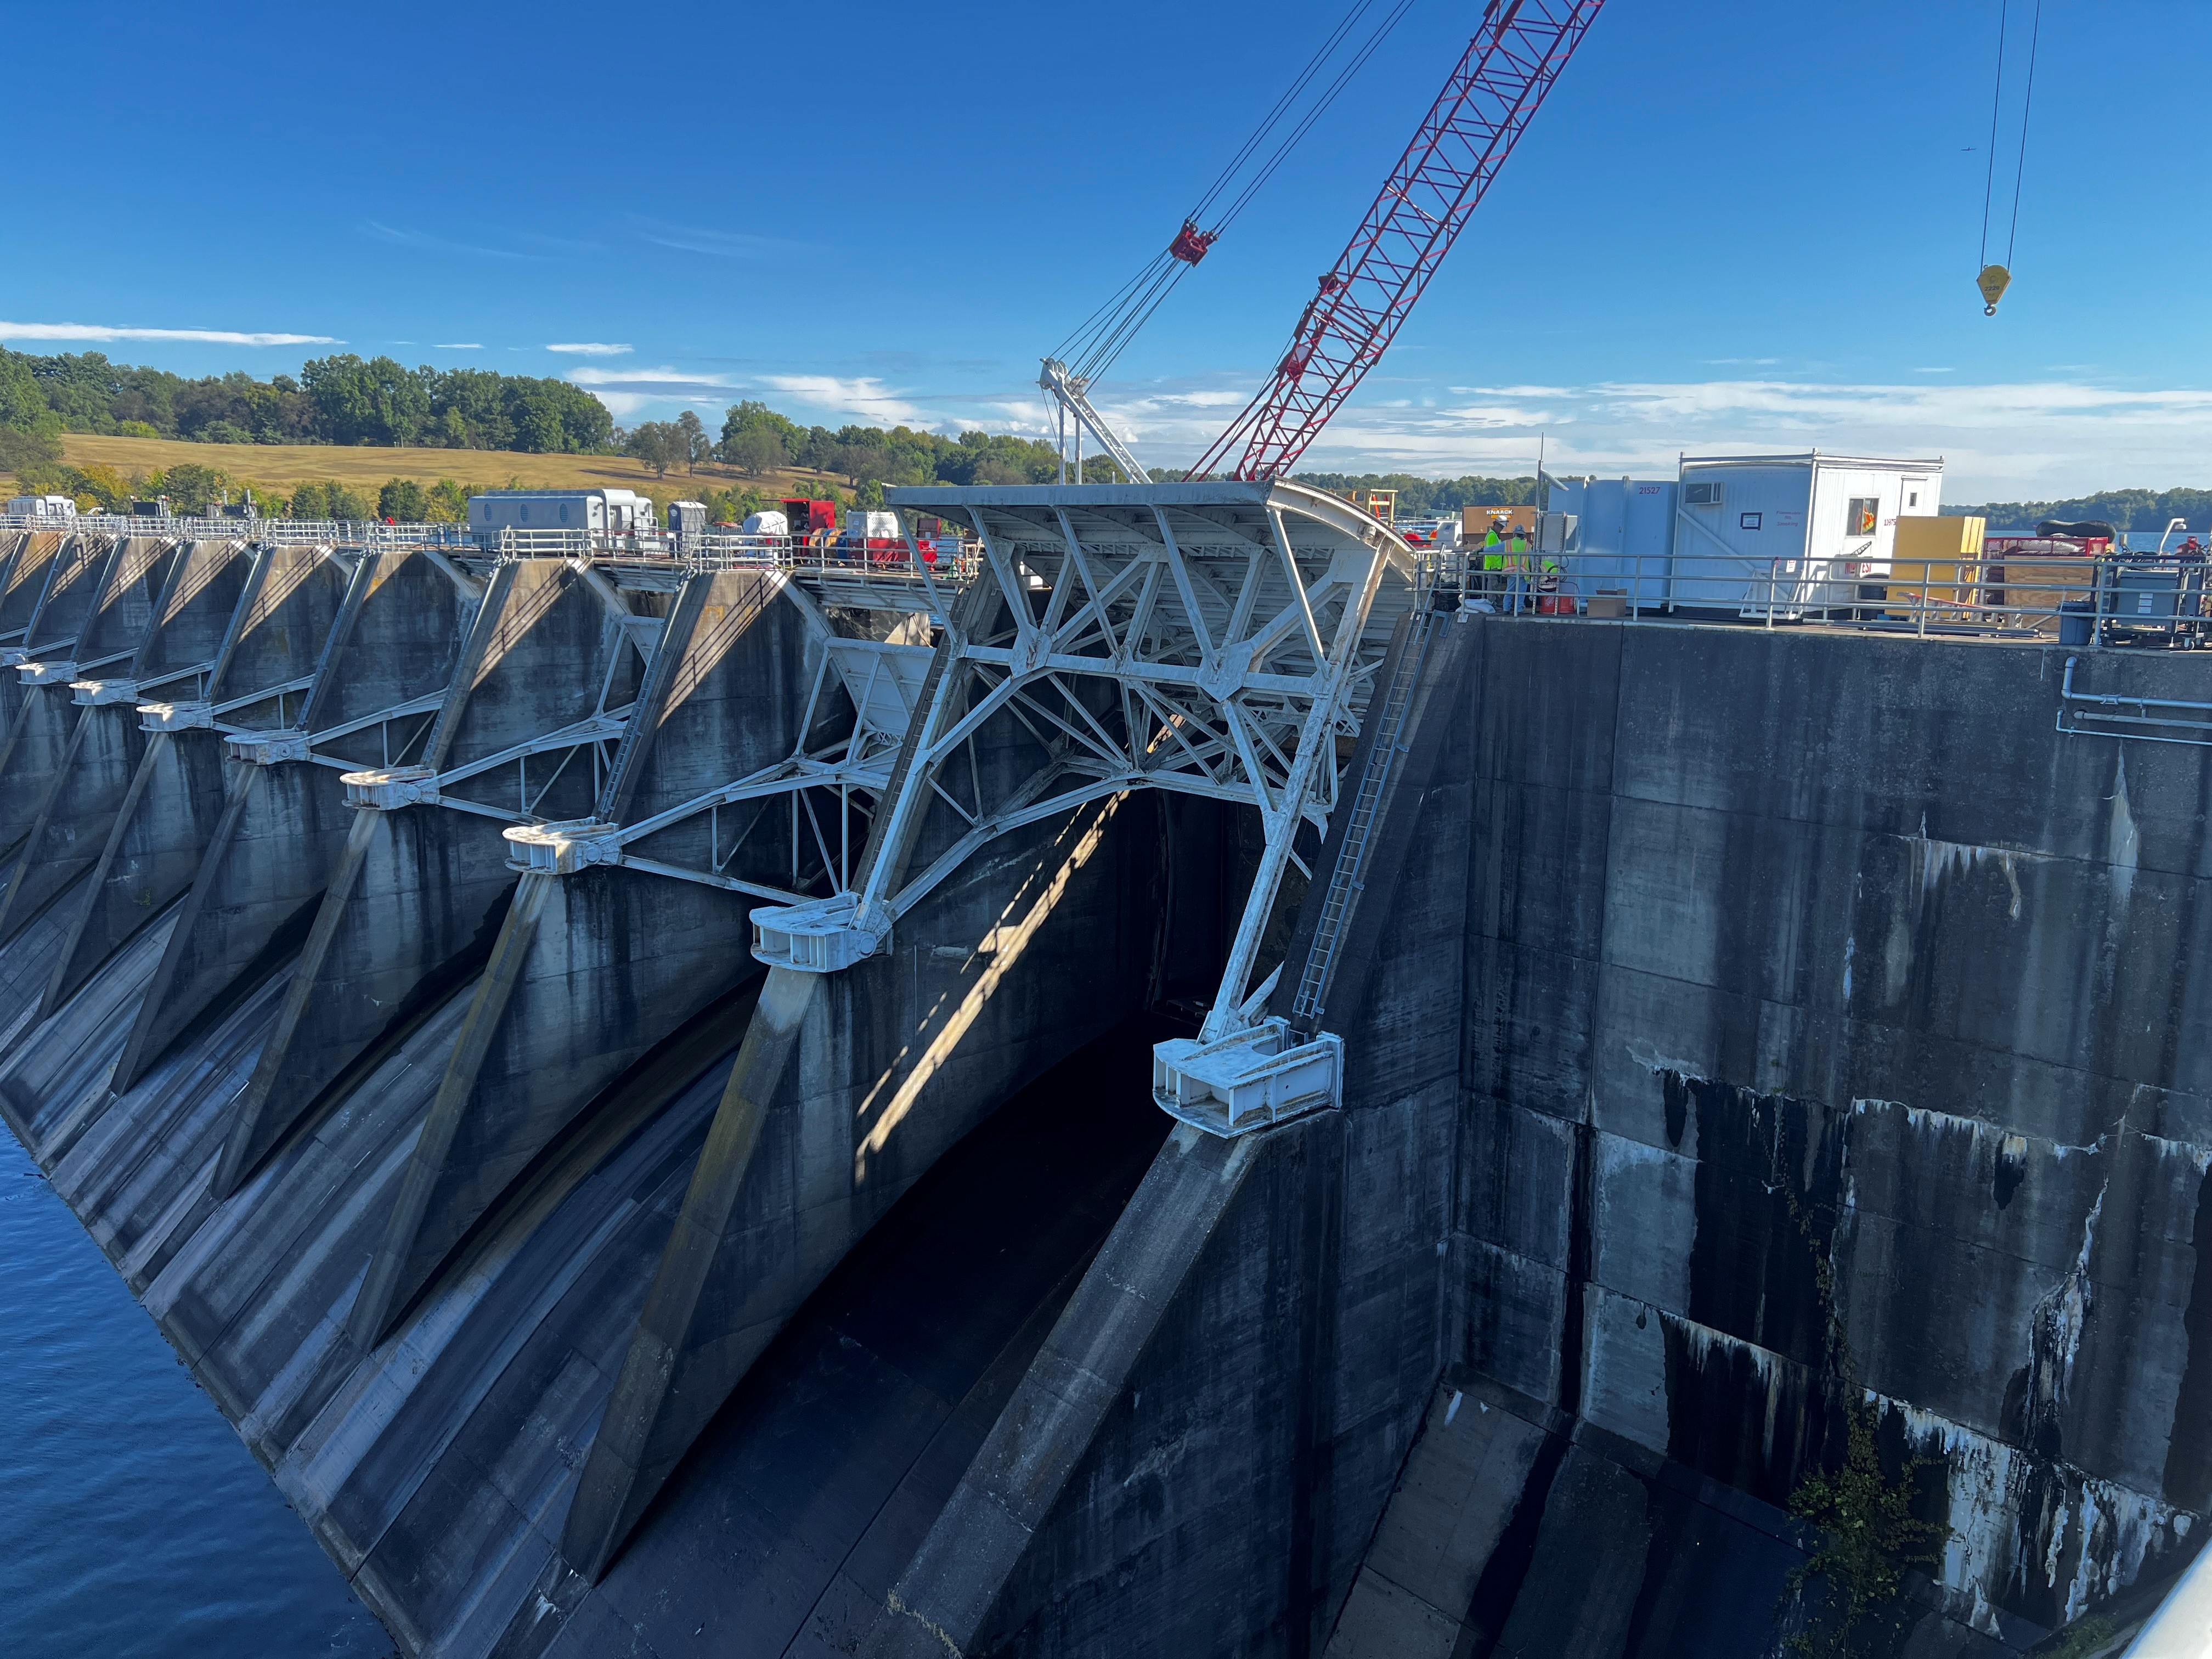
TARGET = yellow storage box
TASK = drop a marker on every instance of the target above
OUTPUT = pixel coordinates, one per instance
(1936, 563)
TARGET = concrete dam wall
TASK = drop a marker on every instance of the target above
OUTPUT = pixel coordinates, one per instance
(1750, 1039)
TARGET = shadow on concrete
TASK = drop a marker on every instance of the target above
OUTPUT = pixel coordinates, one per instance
(802, 1503)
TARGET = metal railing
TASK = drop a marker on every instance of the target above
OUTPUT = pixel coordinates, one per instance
(2072, 599)
(839, 557)
(280, 532)
(917, 560)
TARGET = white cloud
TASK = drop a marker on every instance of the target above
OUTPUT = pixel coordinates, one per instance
(627, 391)
(721, 243)
(403, 237)
(864, 398)
(2035, 440)
(591, 348)
(2038, 440)
(676, 380)
(105, 331)
(457, 346)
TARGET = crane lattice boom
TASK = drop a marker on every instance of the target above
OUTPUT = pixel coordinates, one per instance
(1515, 56)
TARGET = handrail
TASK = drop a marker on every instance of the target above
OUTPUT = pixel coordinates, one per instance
(288, 533)
(2067, 598)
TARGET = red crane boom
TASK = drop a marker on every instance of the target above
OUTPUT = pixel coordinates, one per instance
(1515, 56)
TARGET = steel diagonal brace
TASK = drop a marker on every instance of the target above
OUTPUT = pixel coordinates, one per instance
(1180, 571)
(913, 783)
(1096, 601)
(1316, 735)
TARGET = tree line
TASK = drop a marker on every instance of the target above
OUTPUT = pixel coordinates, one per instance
(2123, 509)
(757, 442)
(1425, 498)
(339, 399)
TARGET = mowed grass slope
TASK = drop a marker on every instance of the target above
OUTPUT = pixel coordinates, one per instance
(279, 467)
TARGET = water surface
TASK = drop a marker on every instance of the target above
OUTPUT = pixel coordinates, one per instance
(134, 1523)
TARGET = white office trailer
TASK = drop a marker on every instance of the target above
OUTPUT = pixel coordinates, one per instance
(603, 511)
(42, 507)
(1784, 537)
(1792, 536)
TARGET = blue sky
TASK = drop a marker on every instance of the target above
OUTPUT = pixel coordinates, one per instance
(1737, 224)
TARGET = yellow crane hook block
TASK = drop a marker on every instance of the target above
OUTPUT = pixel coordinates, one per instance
(1993, 282)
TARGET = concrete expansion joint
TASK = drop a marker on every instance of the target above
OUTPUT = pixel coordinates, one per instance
(45, 673)
(562, 848)
(266, 748)
(391, 787)
(99, 694)
(176, 716)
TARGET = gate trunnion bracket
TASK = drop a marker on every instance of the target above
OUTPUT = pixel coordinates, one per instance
(1248, 1080)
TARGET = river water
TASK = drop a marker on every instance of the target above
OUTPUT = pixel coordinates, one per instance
(134, 1523)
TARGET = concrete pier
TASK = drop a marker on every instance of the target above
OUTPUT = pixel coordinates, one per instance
(283, 603)
(95, 592)
(376, 686)
(418, 895)
(847, 1089)
(170, 651)
(594, 966)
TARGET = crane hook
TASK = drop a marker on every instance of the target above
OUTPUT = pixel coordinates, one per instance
(1993, 282)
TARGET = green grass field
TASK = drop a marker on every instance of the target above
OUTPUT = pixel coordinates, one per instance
(279, 467)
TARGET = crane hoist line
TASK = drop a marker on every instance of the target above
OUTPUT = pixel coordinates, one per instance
(1517, 55)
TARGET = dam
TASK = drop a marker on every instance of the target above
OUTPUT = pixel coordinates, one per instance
(1154, 1085)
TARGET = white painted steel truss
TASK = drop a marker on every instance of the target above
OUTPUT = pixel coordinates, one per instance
(1212, 639)
(828, 784)
(829, 788)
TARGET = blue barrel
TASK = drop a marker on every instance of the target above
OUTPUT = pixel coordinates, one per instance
(2077, 621)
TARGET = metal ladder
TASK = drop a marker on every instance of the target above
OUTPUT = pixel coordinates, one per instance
(1344, 880)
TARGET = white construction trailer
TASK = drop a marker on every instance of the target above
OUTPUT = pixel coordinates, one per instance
(1792, 536)
(603, 511)
(1784, 537)
(42, 507)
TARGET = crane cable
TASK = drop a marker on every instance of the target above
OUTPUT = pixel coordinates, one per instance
(1101, 321)
(1996, 278)
(1100, 338)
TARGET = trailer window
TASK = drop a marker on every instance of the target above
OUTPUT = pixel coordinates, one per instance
(1860, 514)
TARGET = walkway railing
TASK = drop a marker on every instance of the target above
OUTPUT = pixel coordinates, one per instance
(282, 532)
(2069, 599)
(919, 559)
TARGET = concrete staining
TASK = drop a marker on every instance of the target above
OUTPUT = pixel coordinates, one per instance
(589, 1291)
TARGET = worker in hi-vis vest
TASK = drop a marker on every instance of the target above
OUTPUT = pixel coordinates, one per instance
(1493, 561)
(1517, 569)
